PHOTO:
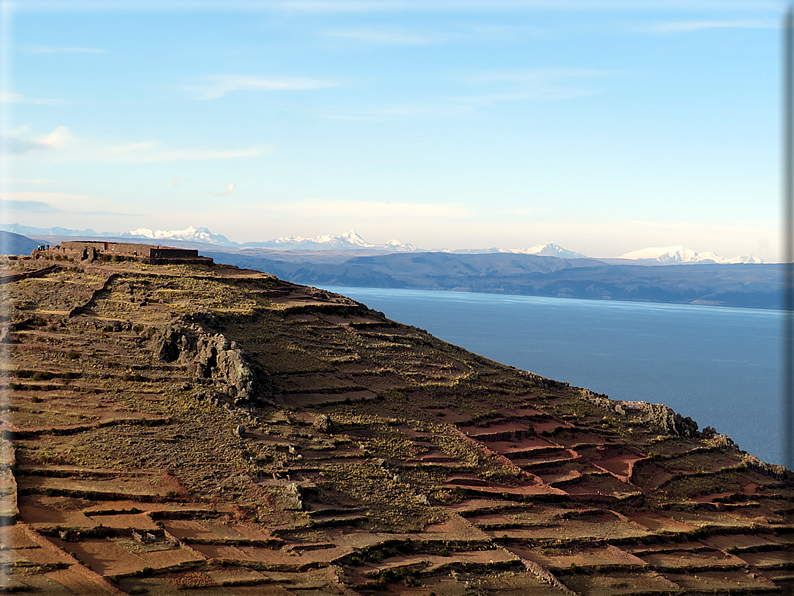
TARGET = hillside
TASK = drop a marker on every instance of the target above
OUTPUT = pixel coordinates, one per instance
(15, 244)
(213, 430)
(745, 285)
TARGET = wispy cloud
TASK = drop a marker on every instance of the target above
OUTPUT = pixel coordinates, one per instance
(413, 110)
(386, 36)
(61, 203)
(225, 193)
(538, 84)
(55, 50)
(62, 145)
(153, 151)
(19, 141)
(176, 180)
(24, 180)
(30, 206)
(690, 26)
(374, 209)
(213, 87)
(440, 6)
(541, 84)
(7, 97)
(374, 6)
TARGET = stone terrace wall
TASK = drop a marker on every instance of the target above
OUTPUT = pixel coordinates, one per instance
(172, 253)
(113, 248)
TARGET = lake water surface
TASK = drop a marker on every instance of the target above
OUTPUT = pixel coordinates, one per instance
(721, 366)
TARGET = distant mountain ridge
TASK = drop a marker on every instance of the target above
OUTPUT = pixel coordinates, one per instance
(681, 254)
(54, 231)
(752, 284)
(189, 234)
(346, 241)
(16, 244)
(743, 285)
(542, 250)
(548, 250)
(353, 241)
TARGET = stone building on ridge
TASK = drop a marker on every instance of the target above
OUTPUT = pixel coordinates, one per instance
(154, 254)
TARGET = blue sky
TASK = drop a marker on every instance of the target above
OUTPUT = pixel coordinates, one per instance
(602, 126)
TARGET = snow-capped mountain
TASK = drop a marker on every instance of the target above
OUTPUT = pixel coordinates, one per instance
(189, 234)
(351, 240)
(681, 254)
(546, 250)
(347, 240)
(542, 250)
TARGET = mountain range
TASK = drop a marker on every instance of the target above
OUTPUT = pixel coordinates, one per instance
(353, 241)
(681, 254)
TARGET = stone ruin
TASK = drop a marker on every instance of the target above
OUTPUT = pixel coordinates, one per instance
(154, 254)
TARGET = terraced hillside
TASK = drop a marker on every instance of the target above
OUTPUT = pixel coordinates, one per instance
(210, 430)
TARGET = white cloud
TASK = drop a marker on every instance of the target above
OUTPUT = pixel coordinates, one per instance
(225, 193)
(176, 180)
(57, 139)
(62, 145)
(19, 141)
(217, 86)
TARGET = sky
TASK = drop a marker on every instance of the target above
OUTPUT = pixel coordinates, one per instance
(604, 126)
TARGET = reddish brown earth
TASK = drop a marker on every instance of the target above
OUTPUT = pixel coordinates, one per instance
(277, 439)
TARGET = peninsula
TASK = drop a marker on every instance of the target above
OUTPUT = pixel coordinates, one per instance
(182, 426)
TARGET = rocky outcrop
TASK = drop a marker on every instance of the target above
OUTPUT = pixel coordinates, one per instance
(661, 417)
(213, 356)
(657, 416)
(772, 470)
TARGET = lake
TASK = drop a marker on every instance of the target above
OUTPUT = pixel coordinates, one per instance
(721, 366)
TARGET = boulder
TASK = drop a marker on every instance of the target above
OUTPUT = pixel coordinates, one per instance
(212, 356)
(323, 423)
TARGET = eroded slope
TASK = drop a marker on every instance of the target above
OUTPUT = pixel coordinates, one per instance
(173, 428)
